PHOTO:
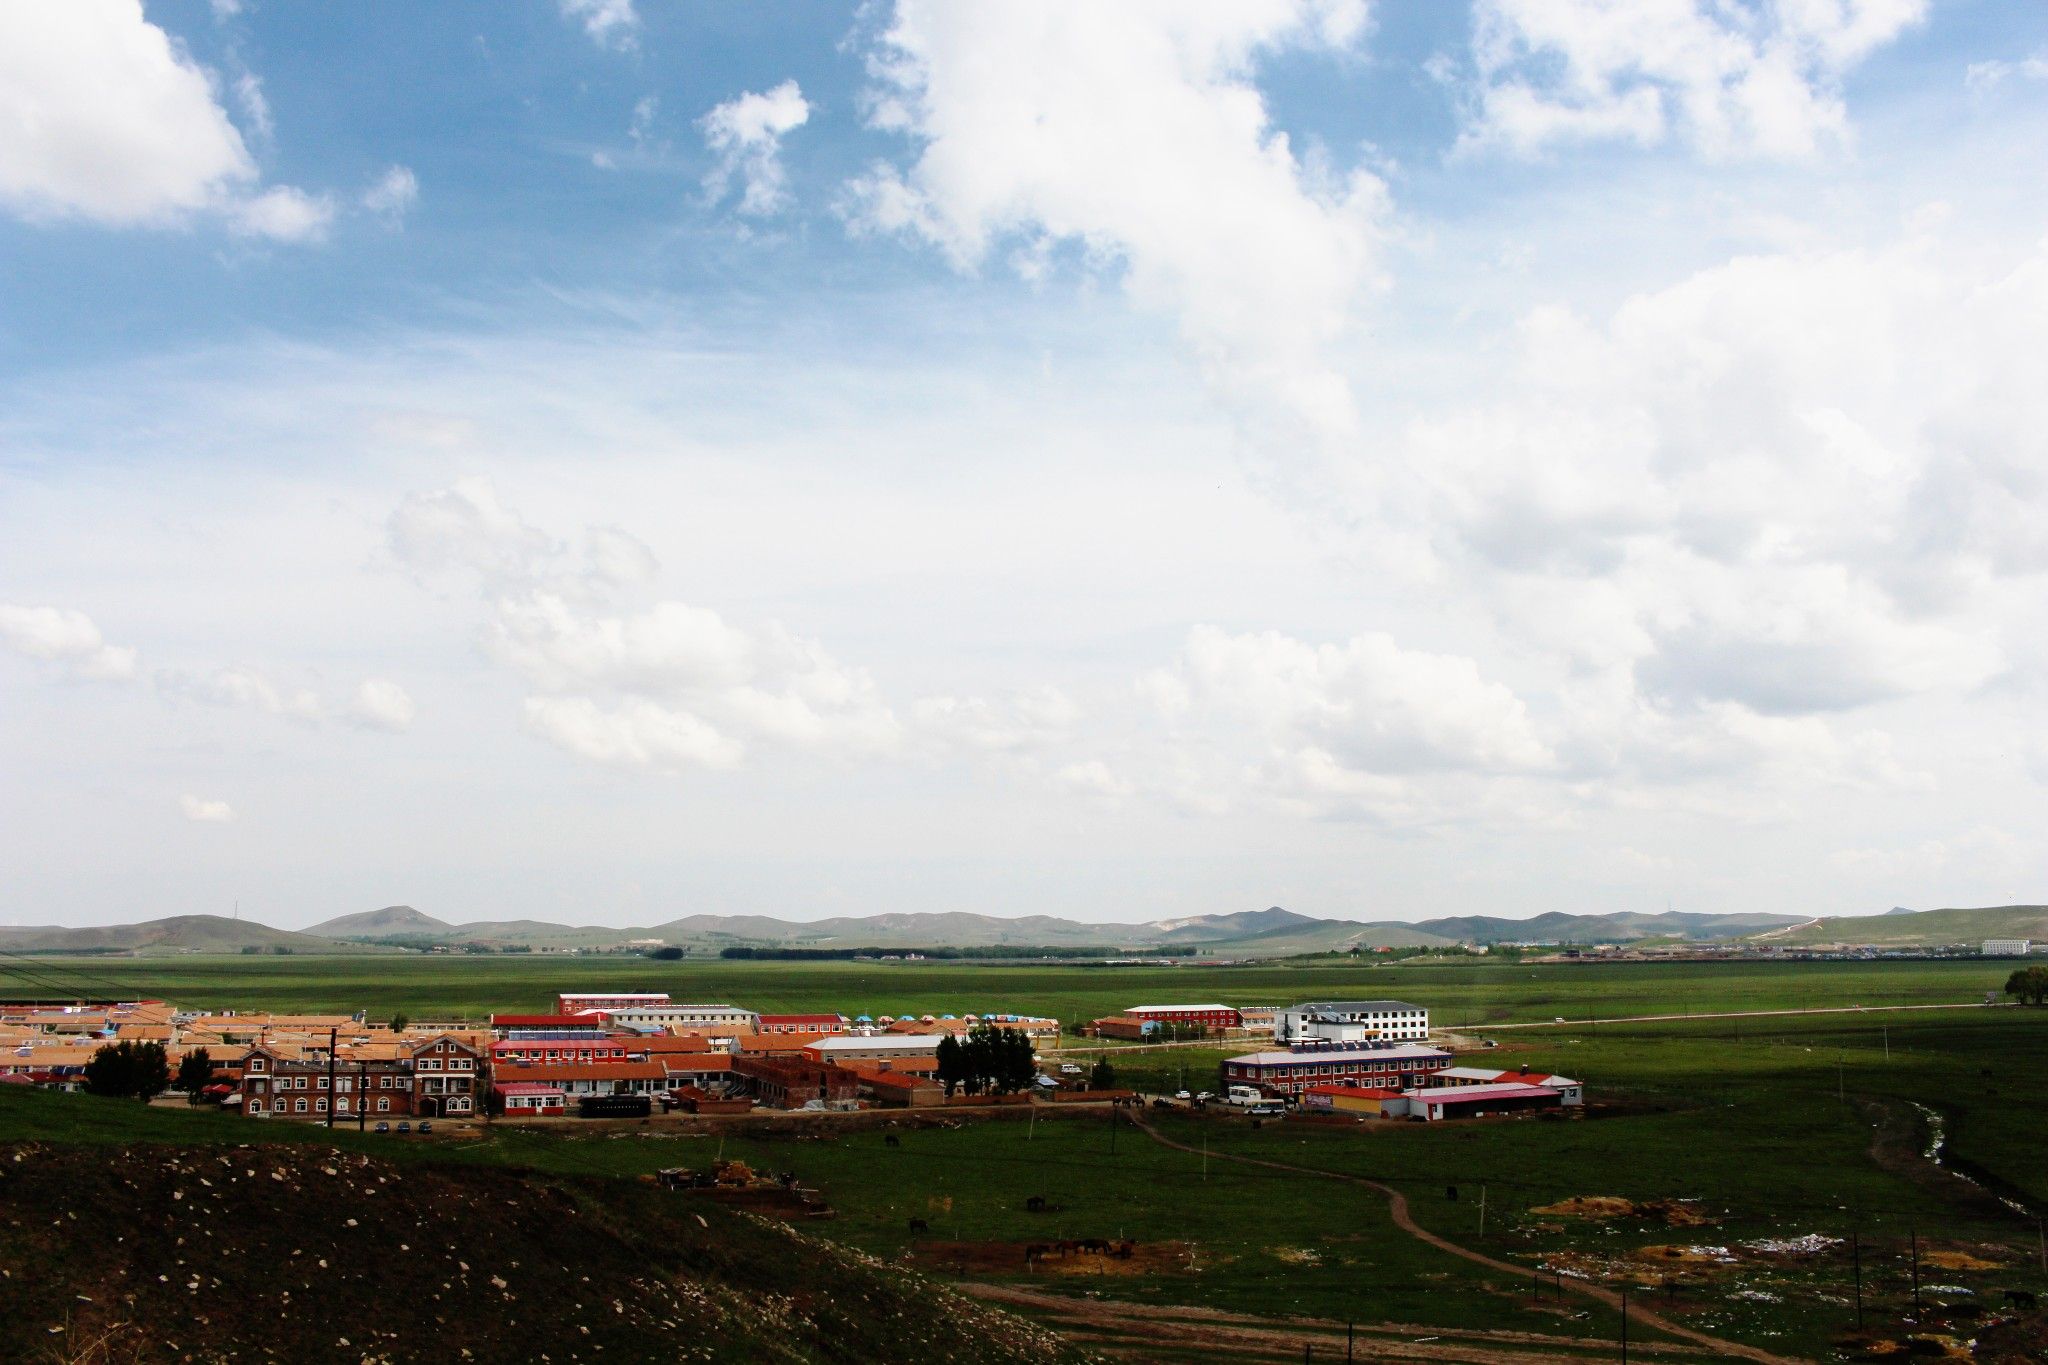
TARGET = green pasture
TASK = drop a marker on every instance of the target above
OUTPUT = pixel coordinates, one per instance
(1458, 995)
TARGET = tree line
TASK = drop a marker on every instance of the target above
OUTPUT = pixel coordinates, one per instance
(746, 952)
(996, 1060)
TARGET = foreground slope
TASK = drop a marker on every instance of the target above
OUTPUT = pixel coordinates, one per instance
(305, 1252)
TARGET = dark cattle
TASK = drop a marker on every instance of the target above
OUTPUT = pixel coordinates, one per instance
(919, 1225)
(1036, 1252)
(891, 1140)
(1066, 1246)
(1095, 1244)
(1035, 1204)
(2022, 1298)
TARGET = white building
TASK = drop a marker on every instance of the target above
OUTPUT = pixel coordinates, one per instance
(2008, 947)
(1352, 1021)
(883, 1047)
(664, 1017)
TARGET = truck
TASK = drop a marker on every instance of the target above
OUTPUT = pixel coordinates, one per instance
(614, 1106)
(1244, 1096)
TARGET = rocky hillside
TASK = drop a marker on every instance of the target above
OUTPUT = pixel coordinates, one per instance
(304, 1252)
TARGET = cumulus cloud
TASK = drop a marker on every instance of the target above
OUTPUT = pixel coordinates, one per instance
(1135, 133)
(1730, 77)
(381, 704)
(465, 526)
(206, 812)
(66, 637)
(255, 690)
(103, 117)
(393, 194)
(1989, 75)
(746, 135)
(610, 23)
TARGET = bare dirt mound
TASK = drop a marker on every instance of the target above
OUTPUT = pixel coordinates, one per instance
(1677, 1213)
(310, 1254)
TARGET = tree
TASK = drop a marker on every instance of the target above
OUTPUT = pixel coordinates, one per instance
(111, 1072)
(952, 1066)
(668, 953)
(195, 1073)
(2029, 985)
(398, 1023)
(128, 1070)
(1018, 1068)
(1103, 1077)
(152, 1071)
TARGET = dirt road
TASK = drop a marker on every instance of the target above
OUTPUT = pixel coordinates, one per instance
(1397, 1207)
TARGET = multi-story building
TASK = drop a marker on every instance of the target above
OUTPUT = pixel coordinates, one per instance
(1382, 1066)
(895, 1050)
(548, 1027)
(580, 1002)
(1208, 1016)
(1353, 1021)
(800, 1023)
(665, 1018)
(429, 1078)
(517, 1051)
(791, 1083)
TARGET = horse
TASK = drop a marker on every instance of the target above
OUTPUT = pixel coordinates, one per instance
(2022, 1298)
(919, 1225)
(891, 1140)
(1122, 1250)
(1035, 1204)
(1095, 1244)
(1034, 1253)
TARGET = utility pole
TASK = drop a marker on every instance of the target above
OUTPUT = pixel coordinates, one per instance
(331, 1093)
(1482, 1211)
(1624, 1325)
(1856, 1259)
(362, 1092)
(1914, 1233)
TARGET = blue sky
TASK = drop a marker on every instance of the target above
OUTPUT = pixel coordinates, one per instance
(611, 461)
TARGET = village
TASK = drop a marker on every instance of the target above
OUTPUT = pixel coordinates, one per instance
(629, 1055)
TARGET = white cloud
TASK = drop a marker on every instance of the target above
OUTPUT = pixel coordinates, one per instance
(103, 117)
(283, 214)
(206, 812)
(1367, 704)
(252, 689)
(633, 733)
(1988, 75)
(1731, 77)
(381, 704)
(67, 637)
(746, 134)
(465, 526)
(1135, 133)
(394, 193)
(255, 105)
(610, 23)
(1022, 723)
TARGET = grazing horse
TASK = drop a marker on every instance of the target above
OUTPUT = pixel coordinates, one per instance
(1035, 1204)
(2022, 1298)
(891, 1140)
(1095, 1244)
(1122, 1250)
(919, 1225)
(1066, 1246)
(1035, 1253)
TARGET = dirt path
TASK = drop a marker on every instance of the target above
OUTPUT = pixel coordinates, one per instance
(1156, 1331)
(1728, 1014)
(1397, 1207)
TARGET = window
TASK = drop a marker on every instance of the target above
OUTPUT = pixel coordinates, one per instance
(299, 1104)
(383, 1104)
(255, 1106)
(320, 1104)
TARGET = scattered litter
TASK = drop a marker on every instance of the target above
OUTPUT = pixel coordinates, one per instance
(1812, 1244)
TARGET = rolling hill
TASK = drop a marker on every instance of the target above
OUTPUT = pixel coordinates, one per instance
(177, 934)
(1915, 928)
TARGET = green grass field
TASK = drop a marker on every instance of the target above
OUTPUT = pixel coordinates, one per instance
(1777, 1127)
(1457, 995)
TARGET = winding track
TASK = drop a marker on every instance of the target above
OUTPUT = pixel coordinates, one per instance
(1397, 1207)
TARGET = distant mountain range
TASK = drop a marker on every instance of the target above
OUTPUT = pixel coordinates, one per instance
(1273, 932)
(1903, 928)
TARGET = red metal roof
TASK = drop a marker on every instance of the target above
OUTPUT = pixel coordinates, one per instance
(545, 1021)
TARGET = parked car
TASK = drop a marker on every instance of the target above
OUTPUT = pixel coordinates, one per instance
(405, 1125)
(382, 1126)
(1182, 1095)
(426, 1126)
(1161, 1102)
(1070, 1069)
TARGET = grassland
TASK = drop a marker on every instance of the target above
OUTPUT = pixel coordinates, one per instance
(1458, 995)
(1767, 1127)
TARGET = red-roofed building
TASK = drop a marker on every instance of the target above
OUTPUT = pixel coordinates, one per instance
(515, 1052)
(529, 1099)
(1366, 1101)
(801, 1023)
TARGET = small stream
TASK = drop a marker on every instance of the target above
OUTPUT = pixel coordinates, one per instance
(1937, 1142)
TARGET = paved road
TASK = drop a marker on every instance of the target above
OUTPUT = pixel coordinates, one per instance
(1397, 1206)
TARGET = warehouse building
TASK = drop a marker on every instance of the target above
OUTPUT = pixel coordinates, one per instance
(1477, 1101)
(1208, 1016)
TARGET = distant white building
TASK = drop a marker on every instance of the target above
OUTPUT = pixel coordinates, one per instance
(1352, 1021)
(2008, 947)
(667, 1018)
